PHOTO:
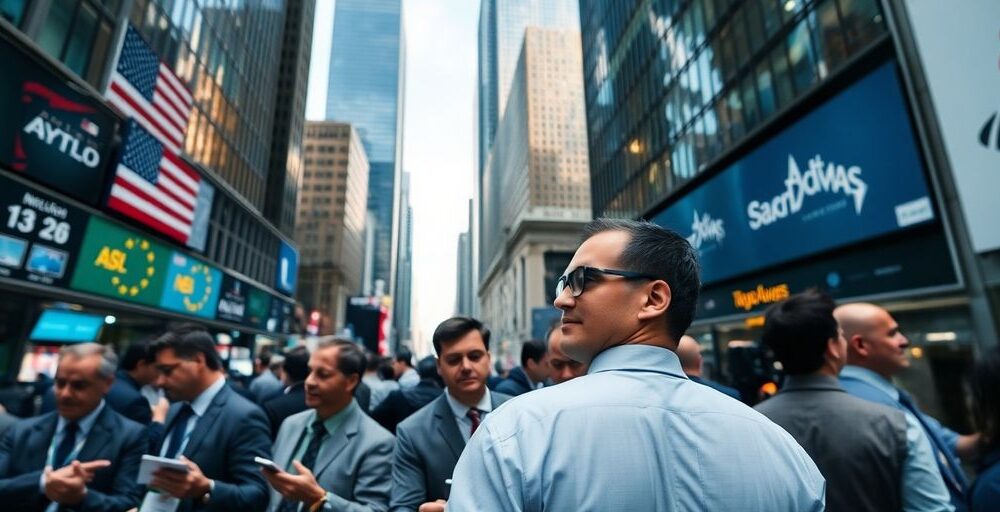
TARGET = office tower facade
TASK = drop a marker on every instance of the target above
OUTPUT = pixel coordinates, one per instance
(330, 226)
(536, 189)
(286, 160)
(365, 88)
(726, 121)
(463, 290)
(402, 300)
(195, 131)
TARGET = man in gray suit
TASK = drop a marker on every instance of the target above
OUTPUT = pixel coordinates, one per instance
(861, 447)
(429, 442)
(333, 456)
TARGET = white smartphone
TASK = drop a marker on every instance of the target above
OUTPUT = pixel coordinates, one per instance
(267, 464)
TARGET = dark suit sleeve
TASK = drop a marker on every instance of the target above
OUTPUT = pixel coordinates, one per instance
(507, 387)
(385, 412)
(248, 490)
(408, 477)
(371, 488)
(23, 488)
(138, 410)
(125, 493)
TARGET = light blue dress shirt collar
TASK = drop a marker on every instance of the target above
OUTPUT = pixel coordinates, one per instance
(643, 358)
(200, 404)
(879, 382)
(86, 423)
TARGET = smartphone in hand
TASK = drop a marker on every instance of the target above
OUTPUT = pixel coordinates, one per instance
(267, 464)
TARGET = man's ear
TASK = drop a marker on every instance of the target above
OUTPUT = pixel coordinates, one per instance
(857, 344)
(657, 301)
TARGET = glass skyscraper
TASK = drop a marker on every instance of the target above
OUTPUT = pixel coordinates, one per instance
(501, 32)
(365, 89)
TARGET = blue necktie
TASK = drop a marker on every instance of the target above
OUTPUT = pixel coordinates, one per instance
(66, 446)
(178, 430)
(950, 469)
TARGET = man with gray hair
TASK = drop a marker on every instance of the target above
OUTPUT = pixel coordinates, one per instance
(84, 455)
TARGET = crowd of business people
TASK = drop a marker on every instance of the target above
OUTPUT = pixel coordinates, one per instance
(610, 412)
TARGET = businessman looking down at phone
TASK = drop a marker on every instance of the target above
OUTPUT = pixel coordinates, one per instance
(332, 456)
(211, 428)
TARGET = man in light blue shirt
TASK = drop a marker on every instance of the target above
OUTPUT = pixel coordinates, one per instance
(876, 351)
(634, 433)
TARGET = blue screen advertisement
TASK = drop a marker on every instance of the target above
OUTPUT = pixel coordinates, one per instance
(66, 327)
(288, 269)
(846, 172)
(191, 287)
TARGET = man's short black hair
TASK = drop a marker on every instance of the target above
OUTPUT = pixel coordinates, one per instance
(404, 355)
(660, 252)
(296, 364)
(455, 328)
(187, 341)
(372, 360)
(137, 351)
(427, 369)
(533, 350)
(798, 329)
(385, 371)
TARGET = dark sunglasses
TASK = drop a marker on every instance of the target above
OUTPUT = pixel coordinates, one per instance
(576, 280)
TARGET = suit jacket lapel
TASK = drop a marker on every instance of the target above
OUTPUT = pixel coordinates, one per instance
(205, 422)
(285, 447)
(448, 426)
(338, 441)
(38, 444)
(99, 436)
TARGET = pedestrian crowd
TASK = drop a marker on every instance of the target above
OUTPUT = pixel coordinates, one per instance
(610, 412)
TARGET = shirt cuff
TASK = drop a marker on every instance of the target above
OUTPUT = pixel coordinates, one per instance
(41, 483)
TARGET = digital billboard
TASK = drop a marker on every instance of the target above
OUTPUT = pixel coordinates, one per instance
(846, 172)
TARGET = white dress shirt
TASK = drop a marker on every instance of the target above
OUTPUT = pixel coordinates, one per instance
(461, 412)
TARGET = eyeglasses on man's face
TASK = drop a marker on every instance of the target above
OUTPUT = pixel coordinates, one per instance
(577, 280)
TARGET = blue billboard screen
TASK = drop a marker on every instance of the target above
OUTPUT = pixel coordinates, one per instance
(846, 172)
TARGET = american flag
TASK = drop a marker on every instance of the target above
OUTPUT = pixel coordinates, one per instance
(155, 186)
(146, 90)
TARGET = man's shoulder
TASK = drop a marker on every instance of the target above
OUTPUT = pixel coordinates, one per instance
(28, 424)
(422, 419)
(375, 434)
(677, 398)
(118, 422)
(238, 407)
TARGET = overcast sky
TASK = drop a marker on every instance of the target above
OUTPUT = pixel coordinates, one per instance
(438, 137)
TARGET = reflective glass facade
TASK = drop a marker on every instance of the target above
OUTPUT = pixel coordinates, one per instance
(227, 51)
(501, 32)
(672, 85)
(365, 89)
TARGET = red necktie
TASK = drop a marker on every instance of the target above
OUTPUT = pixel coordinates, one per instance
(473, 415)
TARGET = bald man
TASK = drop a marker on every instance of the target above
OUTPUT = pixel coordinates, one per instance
(876, 352)
(689, 352)
(563, 368)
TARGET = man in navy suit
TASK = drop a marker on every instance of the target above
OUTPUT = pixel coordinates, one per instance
(210, 427)
(82, 456)
(532, 373)
(135, 370)
(294, 370)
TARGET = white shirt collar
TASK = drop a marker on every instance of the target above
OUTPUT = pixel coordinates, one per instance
(201, 403)
(460, 410)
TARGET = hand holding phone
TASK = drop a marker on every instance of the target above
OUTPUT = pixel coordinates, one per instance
(267, 464)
